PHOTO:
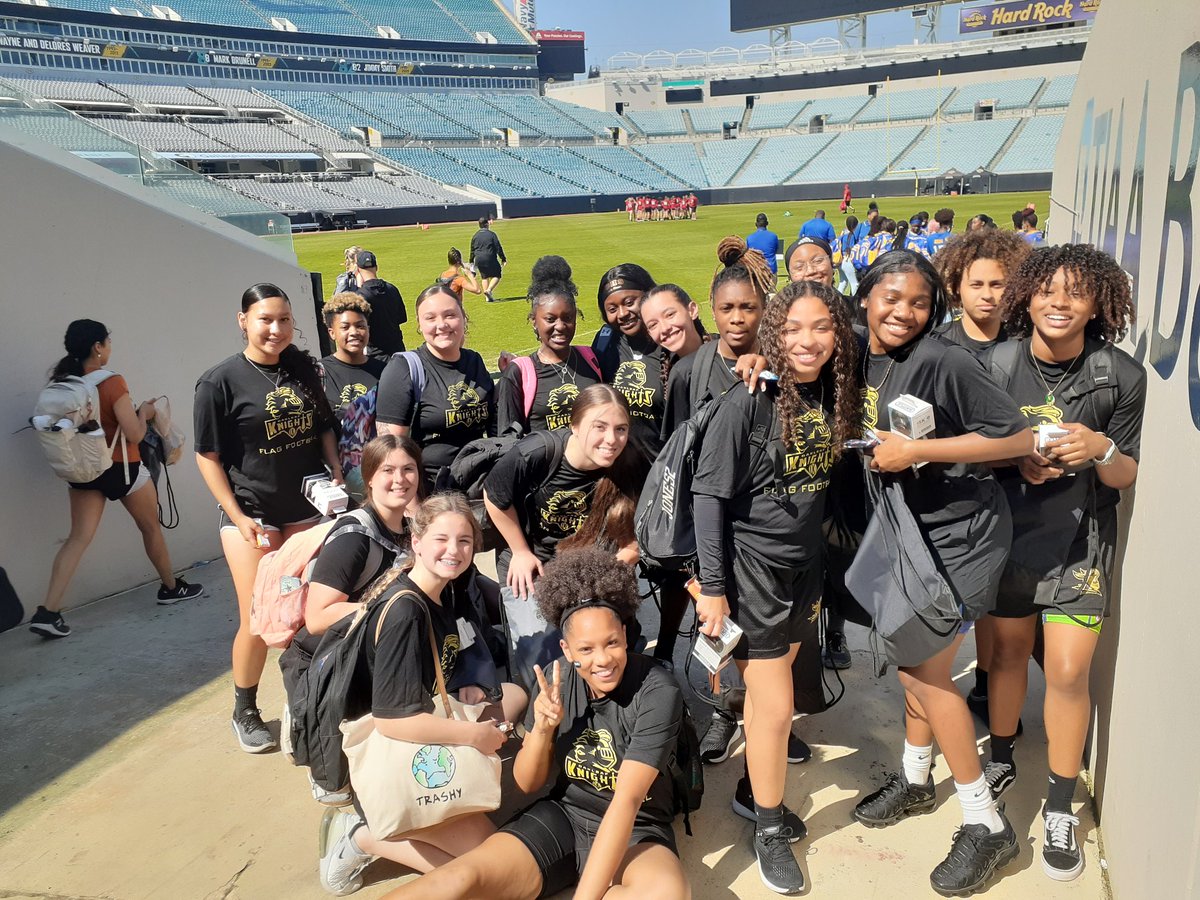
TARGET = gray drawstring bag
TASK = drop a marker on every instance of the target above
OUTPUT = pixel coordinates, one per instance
(895, 578)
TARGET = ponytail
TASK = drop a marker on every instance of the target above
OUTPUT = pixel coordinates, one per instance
(82, 335)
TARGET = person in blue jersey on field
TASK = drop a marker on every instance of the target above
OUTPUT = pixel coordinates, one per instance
(940, 230)
(765, 242)
(817, 227)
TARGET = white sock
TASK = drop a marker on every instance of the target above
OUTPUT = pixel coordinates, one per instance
(978, 807)
(917, 763)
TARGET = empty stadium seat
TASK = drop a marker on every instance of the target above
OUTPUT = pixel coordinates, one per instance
(722, 159)
(856, 155)
(779, 157)
(834, 110)
(899, 106)
(1016, 94)
(1035, 146)
(657, 122)
(957, 145)
(767, 116)
(680, 160)
(1058, 92)
(712, 119)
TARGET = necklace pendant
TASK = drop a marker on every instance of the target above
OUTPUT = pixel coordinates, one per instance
(1049, 399)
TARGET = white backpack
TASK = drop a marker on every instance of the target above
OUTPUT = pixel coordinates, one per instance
(63, 411)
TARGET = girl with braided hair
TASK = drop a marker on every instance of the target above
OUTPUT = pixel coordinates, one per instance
(759, 495)
(1064, 309)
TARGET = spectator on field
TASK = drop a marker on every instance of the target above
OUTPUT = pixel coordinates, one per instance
(864, 227)
(1029, 229)
(765, 242)
(940, 230)
(488, 257)
(981, 222)
(817, 227)
(348, 279)
(387, 307)
(458, 277)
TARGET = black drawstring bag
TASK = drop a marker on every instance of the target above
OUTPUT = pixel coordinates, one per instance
(894, 576)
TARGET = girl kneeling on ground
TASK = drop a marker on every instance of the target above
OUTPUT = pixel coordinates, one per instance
(759, 496)
(401, 676)
(1065, 307)
(604, 727)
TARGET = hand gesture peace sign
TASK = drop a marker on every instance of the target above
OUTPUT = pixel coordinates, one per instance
(548, 708)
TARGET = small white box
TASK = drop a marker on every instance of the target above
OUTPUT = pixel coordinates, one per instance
(328, 498)
(911, 417)
(1048, 432)
(714, 653)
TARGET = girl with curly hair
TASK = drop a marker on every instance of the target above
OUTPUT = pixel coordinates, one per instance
(962, 514)
(975, 268)
(536, 393)
(759, 496)
(602, 730)
(1064, 308)
(262, 423)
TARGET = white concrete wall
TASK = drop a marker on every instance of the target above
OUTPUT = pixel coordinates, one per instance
(1125, 181)
(79, 242)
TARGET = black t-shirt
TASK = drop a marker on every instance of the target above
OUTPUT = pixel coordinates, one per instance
(775, 497)
(455, 407)
(344, 382)
(1124, 426)
(267, 435)
(638, 721)
(965, 400)
(387, 315)
(557, 388)
(551, 505)
(679, 393)
(634, 367)
(954, 333)
(401, 668)
(345, 554)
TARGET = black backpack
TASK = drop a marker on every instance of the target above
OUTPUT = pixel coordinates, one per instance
(326, 695)
(1099, 381)
(664, 525)
(687, 770)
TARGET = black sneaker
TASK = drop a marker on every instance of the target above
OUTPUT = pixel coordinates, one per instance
(978, 705)
(743, 805)
(999, 777)
(1062, 859)
(181, 591)
(836, 654)
(895, 800)
(723, 732)
(798, 751)
(49, 624)
(252, 733)
(974, 857)
(777, 866)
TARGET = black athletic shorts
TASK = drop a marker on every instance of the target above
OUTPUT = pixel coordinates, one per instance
(560, 842)
(1083, 589)
(775, 607)
(112, 483)
(489, 268)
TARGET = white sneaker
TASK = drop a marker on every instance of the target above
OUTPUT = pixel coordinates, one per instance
(342, 863)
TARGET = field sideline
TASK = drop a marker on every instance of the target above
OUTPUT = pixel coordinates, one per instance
(683, 252)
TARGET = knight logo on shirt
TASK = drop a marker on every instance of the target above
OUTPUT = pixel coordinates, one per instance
(287, 414)
(870, 407)
(1046, 414)
(561, 401)
(450, 647)
(1087, 581)
(466, 407)
(565, 511)
(811, 449)
(350, 393)
(593, 759)
(630, 380)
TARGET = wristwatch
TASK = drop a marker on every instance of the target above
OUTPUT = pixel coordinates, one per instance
(1107, 458)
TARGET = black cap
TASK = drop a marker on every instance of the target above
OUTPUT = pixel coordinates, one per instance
(366, 260)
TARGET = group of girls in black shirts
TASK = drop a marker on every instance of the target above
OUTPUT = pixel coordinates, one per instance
(563, 500)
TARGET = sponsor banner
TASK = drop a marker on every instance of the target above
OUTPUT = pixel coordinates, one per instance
(1020, 14)
(557, 35)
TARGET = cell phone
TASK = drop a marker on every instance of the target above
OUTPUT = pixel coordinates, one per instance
(861, 443)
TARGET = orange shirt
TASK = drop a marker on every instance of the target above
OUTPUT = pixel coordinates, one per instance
(111, 390)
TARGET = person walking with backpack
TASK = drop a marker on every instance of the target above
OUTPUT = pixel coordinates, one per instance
(758, 500)
(538, 392)
(407, 615)
(1065, 308)
(453, 400)
(963, 517)
(603, 731)
(262, 425)
(89, 347)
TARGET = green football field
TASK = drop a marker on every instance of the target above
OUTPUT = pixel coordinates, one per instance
(683, 252)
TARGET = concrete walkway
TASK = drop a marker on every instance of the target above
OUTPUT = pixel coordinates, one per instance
(120, 779)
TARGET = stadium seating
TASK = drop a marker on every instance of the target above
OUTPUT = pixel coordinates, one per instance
(1033, 150)
(443, 167)
(201, 193)
(596, 122)
(535, 117)
(899, 106)
(162, 136)
(315, 16)
(63, 130)
(835, 110)
(679, 159)
(766, 116)
(657, 122)
(167, 96)
(857, 155)
(238, 98)
(638, 173)
(712, 119)
(572, 169)
(779, 157)
(722, 159)
(68, 91)
(1058, 92)
(957, 145)
(1017, 94)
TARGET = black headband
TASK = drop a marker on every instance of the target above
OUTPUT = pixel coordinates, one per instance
(590, 603)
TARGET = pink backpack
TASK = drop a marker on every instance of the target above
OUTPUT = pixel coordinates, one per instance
(528, 372)
(281, 583)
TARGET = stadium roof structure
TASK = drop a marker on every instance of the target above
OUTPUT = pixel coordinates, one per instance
(755, 15)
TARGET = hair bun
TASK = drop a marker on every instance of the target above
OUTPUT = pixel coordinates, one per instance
(551, 268)
(731, 250)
